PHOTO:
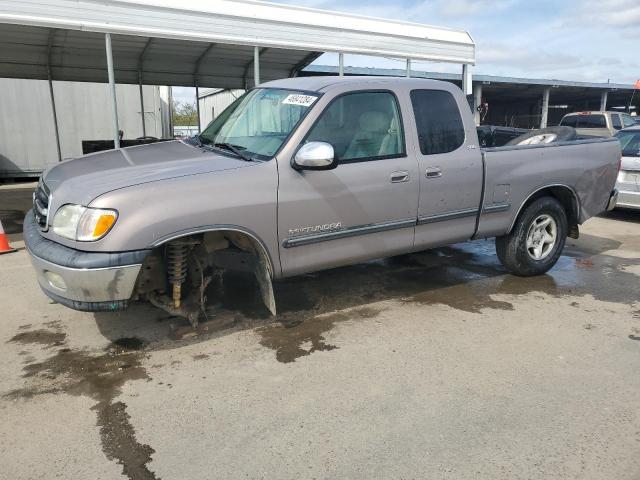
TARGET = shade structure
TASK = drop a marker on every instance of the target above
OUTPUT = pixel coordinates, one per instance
(206, 43)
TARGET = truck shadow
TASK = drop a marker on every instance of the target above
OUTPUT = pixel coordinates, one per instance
(465, 277)
(625, 215)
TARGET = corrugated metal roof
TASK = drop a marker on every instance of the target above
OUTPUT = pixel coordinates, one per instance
(210, 43)
(393, 72)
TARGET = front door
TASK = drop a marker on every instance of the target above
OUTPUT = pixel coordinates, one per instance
(366, 207)
(450, 165)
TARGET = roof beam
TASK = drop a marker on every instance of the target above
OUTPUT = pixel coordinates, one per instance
(305, 62)
(196, 70)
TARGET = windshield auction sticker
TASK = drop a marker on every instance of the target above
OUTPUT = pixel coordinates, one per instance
(299, 99)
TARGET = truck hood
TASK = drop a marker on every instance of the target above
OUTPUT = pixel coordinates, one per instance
(83, 179)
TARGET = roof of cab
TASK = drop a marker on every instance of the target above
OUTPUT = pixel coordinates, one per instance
(318, 84)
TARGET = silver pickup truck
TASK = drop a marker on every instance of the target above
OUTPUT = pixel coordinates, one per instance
(300, 175)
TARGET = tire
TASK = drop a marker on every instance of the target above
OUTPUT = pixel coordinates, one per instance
(528, 250)
(545, 135)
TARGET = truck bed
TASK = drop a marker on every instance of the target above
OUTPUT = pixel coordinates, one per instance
(512, 174)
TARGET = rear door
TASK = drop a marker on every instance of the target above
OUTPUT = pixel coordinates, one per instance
(366, 207)
(450, 166)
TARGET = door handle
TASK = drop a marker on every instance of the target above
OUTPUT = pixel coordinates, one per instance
(400, 176)
(433, 172)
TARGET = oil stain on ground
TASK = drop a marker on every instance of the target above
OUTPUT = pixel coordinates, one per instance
(289, 337)
(100, 377)
(40, 336)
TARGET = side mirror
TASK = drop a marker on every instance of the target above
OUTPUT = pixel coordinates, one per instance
(315, 156)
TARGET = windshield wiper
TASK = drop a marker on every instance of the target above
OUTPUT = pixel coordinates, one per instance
(235, 149)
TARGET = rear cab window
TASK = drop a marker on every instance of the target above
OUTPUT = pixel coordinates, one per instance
(592, 120)
(585, 120)
(438, 121)
(569, 121)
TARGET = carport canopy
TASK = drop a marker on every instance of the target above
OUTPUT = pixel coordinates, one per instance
(212, 43)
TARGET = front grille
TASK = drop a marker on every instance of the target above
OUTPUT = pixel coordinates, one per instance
(41, 199)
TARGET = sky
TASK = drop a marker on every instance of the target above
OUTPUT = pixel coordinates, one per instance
(584, 40)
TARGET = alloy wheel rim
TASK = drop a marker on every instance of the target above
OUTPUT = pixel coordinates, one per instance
(541, 237)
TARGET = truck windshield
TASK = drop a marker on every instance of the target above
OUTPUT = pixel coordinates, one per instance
(630, 143)
(256, 125)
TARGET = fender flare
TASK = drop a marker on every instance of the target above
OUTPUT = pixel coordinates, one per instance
(574, 195)
(264, 251)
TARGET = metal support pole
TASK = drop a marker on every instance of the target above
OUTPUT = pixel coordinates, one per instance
(198, 105)
(408, 72)
(256, 66)
(545, 108)
(112, 86)
(144, 127)
(341, 64)
(55, 117)
(603, 101)
(466, 79)
(477, 102)
(52, 35)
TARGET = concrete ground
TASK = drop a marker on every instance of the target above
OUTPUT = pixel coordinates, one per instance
(433, 365)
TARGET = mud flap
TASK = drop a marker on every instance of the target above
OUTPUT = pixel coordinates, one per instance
(261, 271)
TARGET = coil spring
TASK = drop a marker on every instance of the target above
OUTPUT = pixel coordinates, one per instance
(177, 262)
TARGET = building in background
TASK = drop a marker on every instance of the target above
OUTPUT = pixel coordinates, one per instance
(213, 101)
(27, 132)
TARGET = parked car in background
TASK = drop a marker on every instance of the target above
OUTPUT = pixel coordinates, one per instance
(597, 124)
(628, 183)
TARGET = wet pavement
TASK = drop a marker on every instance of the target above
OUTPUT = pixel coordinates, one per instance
(432, 365)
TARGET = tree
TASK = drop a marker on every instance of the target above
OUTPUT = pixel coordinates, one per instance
(184, 114)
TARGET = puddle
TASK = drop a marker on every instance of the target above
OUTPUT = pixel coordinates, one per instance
(100, 377)
(465, 276)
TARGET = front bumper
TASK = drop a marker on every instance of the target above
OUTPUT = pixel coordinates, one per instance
(87, 281)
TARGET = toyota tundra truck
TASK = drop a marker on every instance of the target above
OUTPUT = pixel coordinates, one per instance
(300, 175)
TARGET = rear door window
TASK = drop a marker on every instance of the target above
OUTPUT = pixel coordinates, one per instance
(591, 121)
(438, 121)
(569, 121)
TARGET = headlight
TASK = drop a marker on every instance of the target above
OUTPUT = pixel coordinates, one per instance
(83, 224)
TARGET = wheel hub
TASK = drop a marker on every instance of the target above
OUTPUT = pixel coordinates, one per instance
(541, 237)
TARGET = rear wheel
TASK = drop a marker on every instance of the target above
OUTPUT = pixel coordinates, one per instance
(536, 241)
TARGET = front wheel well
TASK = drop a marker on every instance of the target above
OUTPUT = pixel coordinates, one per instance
(195, 261)
(567, 198)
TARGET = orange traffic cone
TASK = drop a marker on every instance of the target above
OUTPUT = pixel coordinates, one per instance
(4, 242)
